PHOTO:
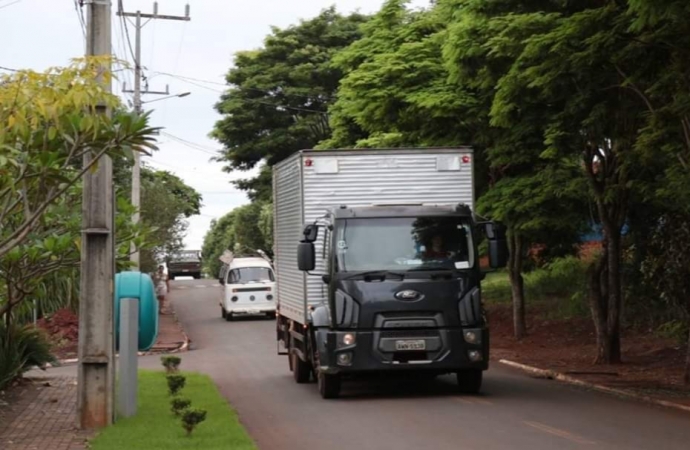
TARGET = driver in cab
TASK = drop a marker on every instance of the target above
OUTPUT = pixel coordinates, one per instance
(436, 250)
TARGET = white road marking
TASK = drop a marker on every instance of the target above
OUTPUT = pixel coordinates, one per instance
(560, 433)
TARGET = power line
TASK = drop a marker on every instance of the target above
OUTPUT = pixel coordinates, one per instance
(8, 69)
(242, 88)
(10, 4)
(251, 100)
(78, 7)
(192, 145)
(126, 31)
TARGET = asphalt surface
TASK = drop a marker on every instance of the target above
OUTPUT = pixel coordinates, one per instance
(514, 412)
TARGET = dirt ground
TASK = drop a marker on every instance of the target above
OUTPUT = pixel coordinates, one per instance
(651, 366)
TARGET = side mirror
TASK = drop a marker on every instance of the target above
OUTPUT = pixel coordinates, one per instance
(326, 279)
(221, 280)
(495, 231)
(498, 253)
(306, 256)
(310, 232)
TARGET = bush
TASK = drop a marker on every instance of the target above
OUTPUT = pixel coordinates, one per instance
(562, 283)
(171, 363)
(191, 418)
(177, 405)
(21, 348)
(175, 383)
(564, 277)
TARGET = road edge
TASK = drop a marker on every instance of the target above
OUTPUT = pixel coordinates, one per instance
(558, 376)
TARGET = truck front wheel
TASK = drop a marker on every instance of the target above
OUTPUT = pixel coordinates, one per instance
(470, 381)
(300, 369)
(329, 385)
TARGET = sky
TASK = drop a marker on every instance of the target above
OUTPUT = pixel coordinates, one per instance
(37, 34)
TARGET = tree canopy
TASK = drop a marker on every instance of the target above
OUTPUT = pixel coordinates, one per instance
(279, 95)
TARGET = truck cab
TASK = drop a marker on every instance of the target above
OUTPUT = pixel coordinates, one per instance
(403, 293)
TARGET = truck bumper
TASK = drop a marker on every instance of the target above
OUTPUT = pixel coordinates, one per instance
(435, 350)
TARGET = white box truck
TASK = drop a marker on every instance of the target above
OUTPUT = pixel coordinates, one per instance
(377, 266)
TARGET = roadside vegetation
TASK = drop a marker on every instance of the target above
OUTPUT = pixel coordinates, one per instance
(44, 135)
(158, 426)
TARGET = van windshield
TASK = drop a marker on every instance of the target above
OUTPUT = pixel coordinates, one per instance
(250, 275)
(404, 244)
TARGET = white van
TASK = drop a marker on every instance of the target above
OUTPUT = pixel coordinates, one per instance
(248, 287)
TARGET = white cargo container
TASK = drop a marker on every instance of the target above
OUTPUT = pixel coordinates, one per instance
(311, 181)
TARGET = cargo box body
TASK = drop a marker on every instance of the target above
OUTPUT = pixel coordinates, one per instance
(308, 184)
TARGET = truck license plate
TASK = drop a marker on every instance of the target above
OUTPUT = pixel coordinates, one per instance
(408, 345)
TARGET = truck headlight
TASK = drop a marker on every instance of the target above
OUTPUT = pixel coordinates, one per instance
(348, 339)
(345, 359)
(471, 336)
(474, 355)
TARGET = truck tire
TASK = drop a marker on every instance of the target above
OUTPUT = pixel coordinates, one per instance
(223, 314)
(229, 317)
(301, 371)
(329, 385)
(470, 381)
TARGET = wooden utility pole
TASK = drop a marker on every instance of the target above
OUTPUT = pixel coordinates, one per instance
(136, 169)
(96, 345)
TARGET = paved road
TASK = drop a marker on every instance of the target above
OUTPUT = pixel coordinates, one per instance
(516, 412)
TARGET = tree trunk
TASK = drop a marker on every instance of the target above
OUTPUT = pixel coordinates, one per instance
(517, 286)
(615, 295)
(686, 377)
(597, 297)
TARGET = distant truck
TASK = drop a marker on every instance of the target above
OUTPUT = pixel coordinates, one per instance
(186, 263)
(377, 265)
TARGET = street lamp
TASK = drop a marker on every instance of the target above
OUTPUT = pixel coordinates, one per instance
(183, 94)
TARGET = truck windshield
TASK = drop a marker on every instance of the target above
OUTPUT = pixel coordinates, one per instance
(404, 244)
(250, 275)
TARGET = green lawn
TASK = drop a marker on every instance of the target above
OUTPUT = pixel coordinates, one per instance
(155, 427)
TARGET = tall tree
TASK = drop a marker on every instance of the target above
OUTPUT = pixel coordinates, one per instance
(219, 237)
(166, 203)
(279, 95)
(572, 65)
(395, 91)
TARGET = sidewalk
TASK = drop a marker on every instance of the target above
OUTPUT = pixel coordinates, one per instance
(41, 413)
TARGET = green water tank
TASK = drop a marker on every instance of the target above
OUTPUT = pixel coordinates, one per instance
(138, 285)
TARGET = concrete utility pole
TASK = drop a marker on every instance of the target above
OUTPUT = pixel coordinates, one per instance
(96, 346)
(136, 170)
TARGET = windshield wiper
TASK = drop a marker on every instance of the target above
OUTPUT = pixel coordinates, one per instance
(436, 271)
(382, 274)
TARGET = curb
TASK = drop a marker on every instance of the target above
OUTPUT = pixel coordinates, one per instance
(181, 349)
(553, 375)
